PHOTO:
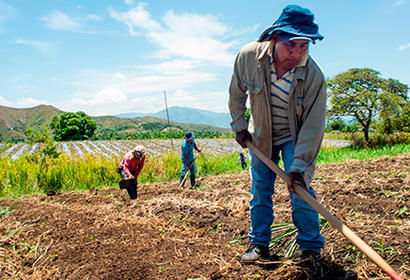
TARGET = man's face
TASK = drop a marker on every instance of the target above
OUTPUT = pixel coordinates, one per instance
(288, 54)
(190, 141)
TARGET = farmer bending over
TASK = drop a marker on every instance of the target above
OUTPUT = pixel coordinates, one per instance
(130, 168)
(287, 92)
(188, 161)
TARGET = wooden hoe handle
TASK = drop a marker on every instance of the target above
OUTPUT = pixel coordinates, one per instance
(346, 231)
(186, 174)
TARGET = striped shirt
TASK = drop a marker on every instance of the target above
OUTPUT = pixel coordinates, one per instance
(280, 104)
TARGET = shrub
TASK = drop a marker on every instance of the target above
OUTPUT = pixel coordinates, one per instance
(378, 140)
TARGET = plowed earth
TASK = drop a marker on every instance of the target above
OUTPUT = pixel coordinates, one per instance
(193, 234)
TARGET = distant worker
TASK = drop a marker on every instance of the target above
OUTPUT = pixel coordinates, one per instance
(188, 160)
(130, 168)
(242, 160)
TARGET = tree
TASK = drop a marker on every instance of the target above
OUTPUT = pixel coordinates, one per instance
(394, 114)
(73, 126)
(364, 95)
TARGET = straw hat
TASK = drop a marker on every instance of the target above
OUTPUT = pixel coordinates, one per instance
(140, 148)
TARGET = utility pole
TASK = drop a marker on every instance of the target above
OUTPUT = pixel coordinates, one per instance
(169, 126)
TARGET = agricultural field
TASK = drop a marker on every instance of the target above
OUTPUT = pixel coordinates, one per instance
(118, 148)
(168, 233)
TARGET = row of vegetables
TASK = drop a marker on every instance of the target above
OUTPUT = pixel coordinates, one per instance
(117, 148)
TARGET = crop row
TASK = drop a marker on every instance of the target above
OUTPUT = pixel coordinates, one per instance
(118, 148)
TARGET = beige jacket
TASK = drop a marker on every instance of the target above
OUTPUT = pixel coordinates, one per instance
(307, 105)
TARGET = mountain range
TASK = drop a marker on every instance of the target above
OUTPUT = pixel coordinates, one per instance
(14, 121)
(187, 115)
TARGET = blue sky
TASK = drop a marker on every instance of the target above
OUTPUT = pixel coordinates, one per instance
(107, 57)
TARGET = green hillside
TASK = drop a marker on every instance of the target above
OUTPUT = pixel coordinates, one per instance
(13, 124)
(13, 121)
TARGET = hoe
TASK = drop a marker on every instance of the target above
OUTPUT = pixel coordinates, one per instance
(346, 231)
(186, 174)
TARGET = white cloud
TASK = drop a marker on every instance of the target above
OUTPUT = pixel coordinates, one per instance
(60, 21)
(42, 46)
(172, 67)
(194, 24)
(136, 17)
(119, 76)
(151, 84)
(24, 88)
(141, 80)
(22, 102)
(6, 13)
(399, 3)
(104, 96)
(107, 101)
(191, 48)
(4, 102)
(29, 102)
(94, 17)
(403, 47)
(186, 35)
(204, 100)
(129, 2)
(180, 97)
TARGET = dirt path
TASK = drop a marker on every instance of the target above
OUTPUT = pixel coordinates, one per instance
(169, 234)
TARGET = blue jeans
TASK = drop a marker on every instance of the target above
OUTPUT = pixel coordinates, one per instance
(185, 169)
(305, 218)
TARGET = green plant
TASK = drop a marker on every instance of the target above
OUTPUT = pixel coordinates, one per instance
(5, 211)
(217, 228)
(352, 254)
(402, 212)
(383, 250)
(53, 257)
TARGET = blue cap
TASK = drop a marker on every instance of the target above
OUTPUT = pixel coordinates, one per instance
(189, 135)
(296, 22)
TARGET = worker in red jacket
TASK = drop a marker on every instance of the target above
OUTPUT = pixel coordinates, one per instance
(130, 168)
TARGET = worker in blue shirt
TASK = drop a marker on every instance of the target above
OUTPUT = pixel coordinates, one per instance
(188, 160)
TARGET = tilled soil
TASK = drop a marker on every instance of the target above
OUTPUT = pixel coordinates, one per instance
(201, 234)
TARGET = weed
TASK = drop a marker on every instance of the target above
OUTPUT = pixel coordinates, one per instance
(389, 193)
(402, 212)
(187, 222)
(217, 228)
(53, 257)
(5, 211)
(383, 250)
